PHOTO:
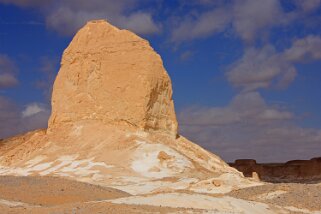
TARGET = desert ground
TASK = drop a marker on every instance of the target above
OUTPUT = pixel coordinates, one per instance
(57, 195)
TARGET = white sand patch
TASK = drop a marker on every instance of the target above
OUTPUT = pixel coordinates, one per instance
(14, 203)
(64, 160)
(295, 209)
(197, 201)
(134, 185)
(63, 174)
(87, 170)
(132, 179)
(66, 166)
(140, 185)
(98, 177)
(147, 162)
(141, 134)
(72, 166)
(35, 160)
(77, 130)
(150, 187)
(41, 167)
(136, 189)
(3, 170)
(24, 171)
(14, 171)
(82, 168)
(271, 195)
(223, 184)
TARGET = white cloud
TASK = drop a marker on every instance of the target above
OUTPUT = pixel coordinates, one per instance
(245, 107)
(273, 114)
(141, 22)
(186, 55)
(13, 121)
(66, 17)
(265, 67)
(32, 109)
(201, 26)
(260, 68)
(308, 5)
(8, 71)
(35, 121)
(304, 50)
(252, 18)
(250, 128)
(7, 80)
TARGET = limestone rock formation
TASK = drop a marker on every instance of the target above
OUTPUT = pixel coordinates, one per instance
(113, 123)
(114, 76)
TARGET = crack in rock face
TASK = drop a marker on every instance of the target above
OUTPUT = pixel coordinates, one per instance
(114, 76)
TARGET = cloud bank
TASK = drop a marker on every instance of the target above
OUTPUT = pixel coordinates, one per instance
(66, 17)
(8, 72)
(14, 121)
(250, 128)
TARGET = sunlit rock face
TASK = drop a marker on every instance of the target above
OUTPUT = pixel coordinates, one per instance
(113, 76)
(113, 124)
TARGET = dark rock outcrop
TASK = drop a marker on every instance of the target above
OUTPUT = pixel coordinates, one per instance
(291, 171)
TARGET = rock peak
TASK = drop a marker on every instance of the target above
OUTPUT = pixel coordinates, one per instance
(113, 76)
(100, 23)
(94, 21)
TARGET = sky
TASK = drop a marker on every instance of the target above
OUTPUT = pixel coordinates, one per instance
(246, 73)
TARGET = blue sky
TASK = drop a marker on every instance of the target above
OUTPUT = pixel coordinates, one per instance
(245, 73)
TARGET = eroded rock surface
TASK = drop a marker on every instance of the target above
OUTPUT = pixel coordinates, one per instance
(114, 76)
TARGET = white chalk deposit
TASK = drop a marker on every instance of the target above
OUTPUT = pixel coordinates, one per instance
(158, 161)
(198, 201)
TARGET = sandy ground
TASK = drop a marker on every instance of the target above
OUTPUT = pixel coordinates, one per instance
(57, 195)
(83, 208)
(303, 196)
(50, 191)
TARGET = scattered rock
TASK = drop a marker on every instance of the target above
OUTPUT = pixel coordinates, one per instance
(163, 156)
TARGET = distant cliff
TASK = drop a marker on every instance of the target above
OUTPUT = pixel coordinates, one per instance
(291, 171)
